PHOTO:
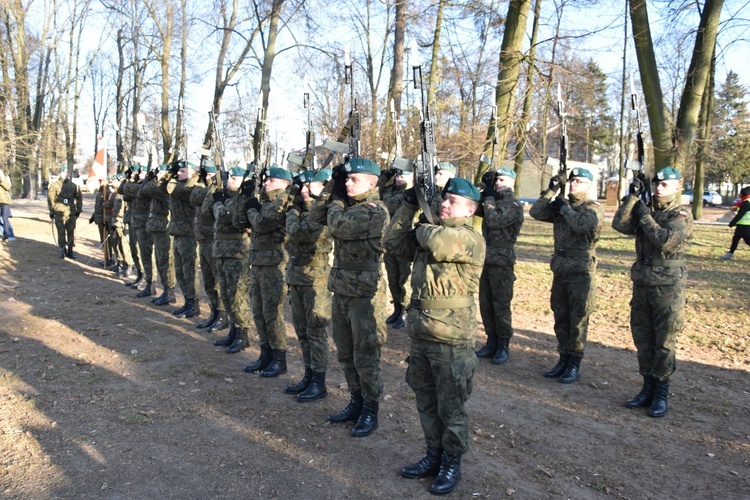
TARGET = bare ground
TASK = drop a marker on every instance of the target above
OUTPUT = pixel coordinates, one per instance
(107, 396)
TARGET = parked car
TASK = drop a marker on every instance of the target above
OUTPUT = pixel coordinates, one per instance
(710, 198)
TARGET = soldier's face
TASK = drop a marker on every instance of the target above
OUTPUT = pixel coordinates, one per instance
(579, 185)
(183, 174)
(503, 183)
(234, 183)
(454, 206)
(404, 180)
(274, 183)
(665, 188)
(442, 176)
(64, 174)
(311, 189)
(357, 184)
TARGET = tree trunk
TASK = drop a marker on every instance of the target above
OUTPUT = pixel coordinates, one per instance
(434, 59)
(703, 144)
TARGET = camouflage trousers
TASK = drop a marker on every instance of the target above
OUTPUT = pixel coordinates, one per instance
(311, 313)
(146, 247)
(120, 251)
(657, 315)
(573, 299)
(398, 271)
(441, 377)
(184, 248)
(210, 272)
(164, 258)
(130, 232)
(267, 291)
(234, 285)
(66, 230)
(359, 332)
(495, 296)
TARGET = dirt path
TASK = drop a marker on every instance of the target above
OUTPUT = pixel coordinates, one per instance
(106, 396)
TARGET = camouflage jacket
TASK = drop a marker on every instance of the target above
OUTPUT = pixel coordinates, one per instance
(576, 231)
(357, 230)
(114, 208)
(127, 214)
(64, 197)
(392, 195)
(309, 246)
(501, 223)
(182, 218)
(139, 214)
(448, 261)
(204, 222)
(154, 192)
(230, 241)
(269, 229)
(661, 241)
(98, 215)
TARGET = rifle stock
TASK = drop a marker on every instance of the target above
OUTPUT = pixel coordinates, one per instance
(563, 171)
(424, 179)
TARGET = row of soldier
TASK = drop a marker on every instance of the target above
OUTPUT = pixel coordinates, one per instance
(254, 247)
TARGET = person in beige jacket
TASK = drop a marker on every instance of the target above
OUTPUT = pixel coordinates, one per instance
(5, 203)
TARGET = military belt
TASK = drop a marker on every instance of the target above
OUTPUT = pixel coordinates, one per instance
(309, 261)
(562, 252)
(357, 266)
(265, 246)
(500, 244)
(229, 236)
(451, 303)
(663, 262)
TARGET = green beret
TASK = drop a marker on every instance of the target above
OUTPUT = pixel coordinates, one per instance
(237, 172)
(120, 177)
(445, 165)
(506, 172)
(162, 167)
(581, 172)
(665, 174)
(190, 165)
(209, 163)
(401, 171)
(322, 175)
(277, 172)
(361, 166)
(210, 169)
(306, 176)
(63, 169)
(143, 168)
(462, 187)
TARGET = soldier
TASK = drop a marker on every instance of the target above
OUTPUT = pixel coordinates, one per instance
(267, 259)
(357, 219)
(65, 202)
(502, 219)
(577, 225)
(182, 229)
(445, 171)
(204, 234)
(145, 239)
(230, 248)
(448, 260)
(657, 309)
(97, 217)
(158, 219)
(397, 181)
(127, 220)
(114, 208)
(309, 249)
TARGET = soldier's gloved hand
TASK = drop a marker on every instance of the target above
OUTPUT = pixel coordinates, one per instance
(554, 183)
(174, 168)
(558, 204)
(51, 216)
(252, 203)
(338, 172)
(640, 209)
(219, 196)
(91, 219)
(129, 174)
(488, 179)
(77, 214)
(248, 188)
(293, 189)
(636, 187)
(410, 196)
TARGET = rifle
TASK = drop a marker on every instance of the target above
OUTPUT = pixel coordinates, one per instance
(351, 130)
(562, 173)
(483, 158)
(424, 179)
(640, 165)
(309, 159)
(398, 162)
(217, 150)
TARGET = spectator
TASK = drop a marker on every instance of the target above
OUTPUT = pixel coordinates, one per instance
(740, 223)
(5, 203)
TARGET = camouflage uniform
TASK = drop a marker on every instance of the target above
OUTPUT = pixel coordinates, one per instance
(65, 202)
(155, 192)
(139, 220)
(501, 224)
(441, 321)
(204, 234)
(398, 269)
(98, 218)
(115, 209)
(576, 232)
(128, 196)
(181, 228)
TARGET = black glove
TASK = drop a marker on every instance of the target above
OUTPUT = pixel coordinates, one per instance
(174, 168)
(410, 196)
(52, 216)
(554, 183)
(77, 214)
(488, 179)
(91, 219)
(558, 204)
(248, 188)
(219, 196)
(338, 172)
(129, 174)
(637, 187)
(389, 174)
(293, 189)
(640, 209)
(252, 203)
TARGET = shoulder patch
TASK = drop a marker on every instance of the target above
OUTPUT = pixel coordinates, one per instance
(372, 205)
(683, 213)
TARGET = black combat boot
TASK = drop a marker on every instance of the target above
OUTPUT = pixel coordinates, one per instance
(146, 292)
(368, 420)
(221, 322)
(227, 341)
(559, 368)
(448, 476)
(302, 384)
(429, 465)
(644, 397)
(265, 358)
(240, 342)
(208, 321)
(352, 411)
(572, 371)
(127, 271)
(489, 349)
(69, 253)
(182, 309)
(397, 310)
(316, 389)
(137, 280)
(277, 366)
(193, 310)
(400, 321)
(503, 352)
(166, 298)
(658, 406)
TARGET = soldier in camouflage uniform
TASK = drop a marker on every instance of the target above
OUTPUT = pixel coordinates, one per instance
(97, 217)
(267, 259)
(657, 310)
(230, 248)
(115, 209)
(502, 219)
(441, 321)
(145, 239)
(357, 219)
(127, 220)
(577, 224)
(309, 248)
(397, 181)
(158, 221)
(184, 247)
(204, 234)
(65, 202)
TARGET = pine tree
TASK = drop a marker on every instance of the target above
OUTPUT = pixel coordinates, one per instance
(731, 132)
